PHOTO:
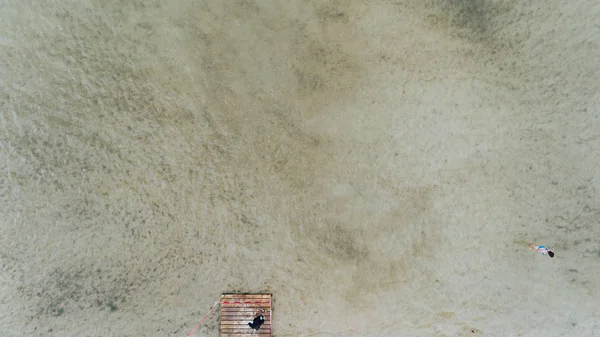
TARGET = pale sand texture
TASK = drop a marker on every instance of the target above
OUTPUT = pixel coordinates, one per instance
(379, 166)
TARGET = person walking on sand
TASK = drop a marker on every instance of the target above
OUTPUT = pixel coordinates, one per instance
(259, 319)
(542, 249)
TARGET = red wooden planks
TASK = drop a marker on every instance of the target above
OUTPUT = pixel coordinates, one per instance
(237, 310)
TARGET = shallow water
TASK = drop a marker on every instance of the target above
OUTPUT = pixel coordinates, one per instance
(380, 167)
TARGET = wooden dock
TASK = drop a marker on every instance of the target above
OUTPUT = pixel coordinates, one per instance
(237, 310)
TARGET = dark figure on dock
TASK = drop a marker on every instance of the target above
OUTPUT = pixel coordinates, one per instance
(259, 319)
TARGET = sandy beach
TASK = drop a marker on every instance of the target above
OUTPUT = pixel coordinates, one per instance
(380, 167)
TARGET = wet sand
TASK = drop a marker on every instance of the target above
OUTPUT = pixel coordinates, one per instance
(379, 166)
